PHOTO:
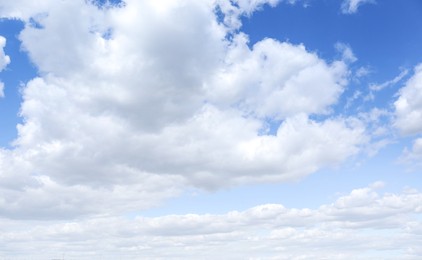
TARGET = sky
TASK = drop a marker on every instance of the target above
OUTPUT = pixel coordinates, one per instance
(212, 129)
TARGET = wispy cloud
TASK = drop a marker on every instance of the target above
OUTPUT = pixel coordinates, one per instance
(397, 79)
(351, 6)
(346, 52)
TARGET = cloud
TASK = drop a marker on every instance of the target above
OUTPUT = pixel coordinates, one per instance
(1, 89)
(408, 106)
(234, 10)
(346, 52)
(354, 226)
(21, 9)
(4, 61)
(259, 83)
(122, 116)
(413, 156)
(408, 115)
(398, 78)
(351, 6)
(362, 72)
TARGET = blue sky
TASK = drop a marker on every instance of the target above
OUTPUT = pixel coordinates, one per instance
(19, 71)
(184, 129)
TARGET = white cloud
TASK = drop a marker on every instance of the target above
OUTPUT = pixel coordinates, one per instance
(392, 82)
(250, 6)
(413, 157)
(1, 89)
(167, 104)
(354, 226)
(277, 80)
(233, 10)
(362, 72)
(408, 106)
(408, 116)
(351, 6)
(22, 9)
(346, 52)
(4, 61)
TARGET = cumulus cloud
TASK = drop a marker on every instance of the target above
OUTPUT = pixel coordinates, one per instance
(408, 116)
(354, 226)
(408, 106)
(234, 10)
(4, 61)
(351, 6)
(277, 80)
(123, 116)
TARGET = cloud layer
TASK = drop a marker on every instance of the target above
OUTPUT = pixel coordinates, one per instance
(354, 226)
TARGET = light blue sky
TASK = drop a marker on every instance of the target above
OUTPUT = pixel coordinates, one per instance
(20, 70)
(215, 129)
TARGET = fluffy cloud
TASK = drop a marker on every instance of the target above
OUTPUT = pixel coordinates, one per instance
(354, 226)
(277, 80)
(123, 116)
(351, 6)
(234, 9)
(22, 9)
(408, 106)
(408, 115)
(4, 61)
(413, 156)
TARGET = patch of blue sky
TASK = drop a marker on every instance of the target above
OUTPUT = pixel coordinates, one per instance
(14, 76)
(107, 3)
(108, 34)
(373, 33)
(270, 126)
(36, 22)
(384, 37)
(219, 14)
